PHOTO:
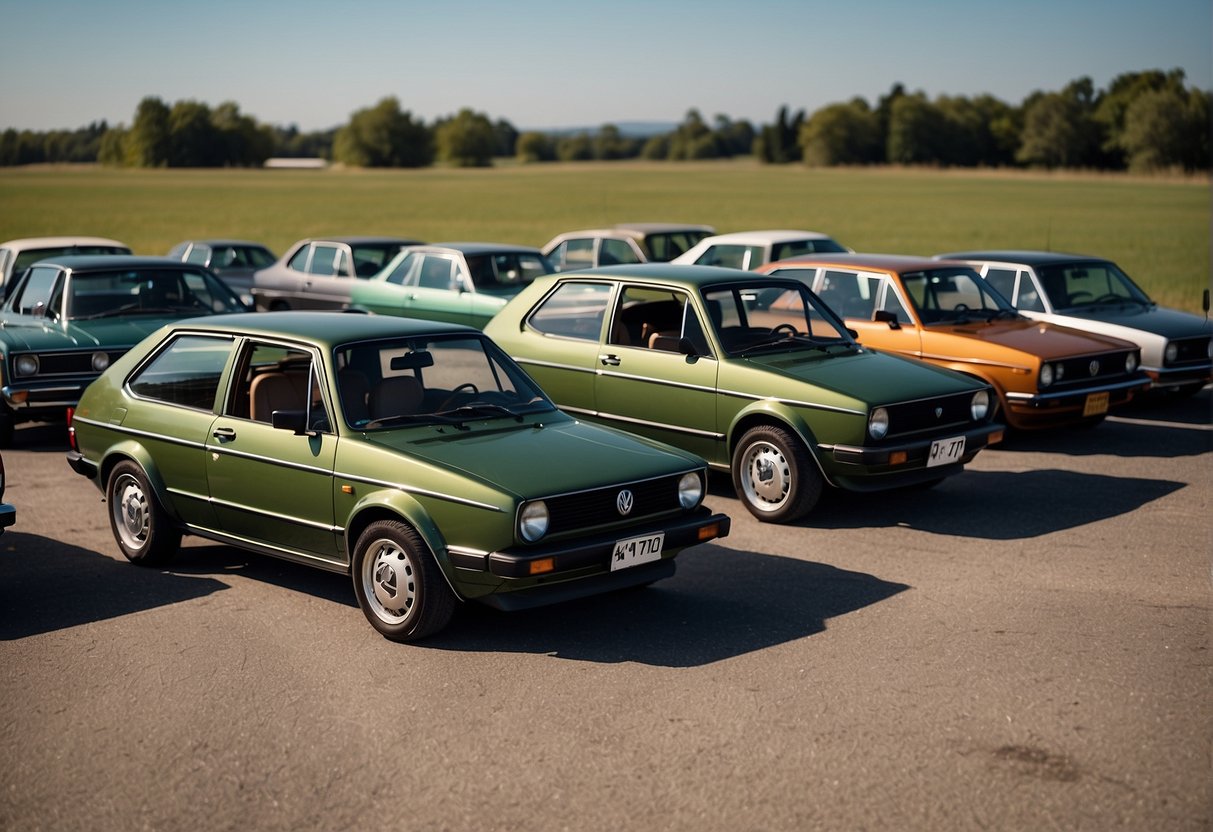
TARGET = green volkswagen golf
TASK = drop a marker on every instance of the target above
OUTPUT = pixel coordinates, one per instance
(754, 374)
(415, 456)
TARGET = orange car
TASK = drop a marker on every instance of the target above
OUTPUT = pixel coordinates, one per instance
(943, 312)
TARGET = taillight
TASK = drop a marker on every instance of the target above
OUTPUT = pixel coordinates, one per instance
(71, 429)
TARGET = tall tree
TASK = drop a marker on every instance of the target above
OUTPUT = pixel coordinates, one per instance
(384, 136)
(467, 140)
(148, 142)
(841, 134)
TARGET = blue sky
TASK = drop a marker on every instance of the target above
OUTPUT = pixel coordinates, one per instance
(541, 64)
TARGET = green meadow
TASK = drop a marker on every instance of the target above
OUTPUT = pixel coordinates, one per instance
(1157, 229)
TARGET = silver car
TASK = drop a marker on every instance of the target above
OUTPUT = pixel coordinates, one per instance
(318, 273)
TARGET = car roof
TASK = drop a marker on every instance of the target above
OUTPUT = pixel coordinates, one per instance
(884, 262)
(763, 237)
(113, 262)
(662, 227)
(51, 242)
(360, 240)
(1021, 257)
(214, 243)
(688, 275)
(326, 329)
(476, 248)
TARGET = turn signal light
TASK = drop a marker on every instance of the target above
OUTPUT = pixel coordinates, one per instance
(897, 458)
(538, 567)
(709, 532)
(995, 438)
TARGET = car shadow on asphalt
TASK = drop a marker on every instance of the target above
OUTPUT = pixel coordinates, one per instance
(47, 585)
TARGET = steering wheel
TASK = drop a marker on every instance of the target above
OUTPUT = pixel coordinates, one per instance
(1110, 297)
(1078, 297)
(790, 329)
(961, 308)
(466, 387)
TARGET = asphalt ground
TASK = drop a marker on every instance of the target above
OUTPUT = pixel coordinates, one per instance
(1026, 646)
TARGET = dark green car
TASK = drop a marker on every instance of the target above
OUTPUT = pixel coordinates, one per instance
(68, 317)
(755, 374)
(415, 456)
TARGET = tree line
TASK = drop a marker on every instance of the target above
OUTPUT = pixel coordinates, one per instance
(1143, 122)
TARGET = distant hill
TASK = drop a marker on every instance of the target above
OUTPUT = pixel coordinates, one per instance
(630, 129)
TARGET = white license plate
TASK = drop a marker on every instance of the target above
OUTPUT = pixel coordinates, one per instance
(637, 550)
(946, 451)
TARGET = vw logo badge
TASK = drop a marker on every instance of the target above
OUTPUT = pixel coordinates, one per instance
(1094, 368)
(624, 502)
(938, 412)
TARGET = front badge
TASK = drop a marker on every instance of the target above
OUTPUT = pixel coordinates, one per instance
(624, 502)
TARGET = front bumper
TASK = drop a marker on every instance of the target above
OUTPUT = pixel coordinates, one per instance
(881, 458)
(8, 515)
(581, 566)
(1170, 378)
(1060, 407)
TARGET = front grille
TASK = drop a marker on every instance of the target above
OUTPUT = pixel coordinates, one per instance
(944, 413)
(1190, 350)
(597, 507)
(1077, 371)
(67, 363)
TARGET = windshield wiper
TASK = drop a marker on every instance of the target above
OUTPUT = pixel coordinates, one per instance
(474, 409)
(109, 313)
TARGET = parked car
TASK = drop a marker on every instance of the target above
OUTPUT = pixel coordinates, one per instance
(750, 249)
(1095, 295)
(68, 318)
(319, 273)
(463, 283)
(629, 242)
(18, 255)
(752, 373)
(8, 512)
(233, 261)
(943, 312)
(414, 456)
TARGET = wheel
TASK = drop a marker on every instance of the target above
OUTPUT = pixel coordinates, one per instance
(144, 531)
(774, 475)
(398, 584)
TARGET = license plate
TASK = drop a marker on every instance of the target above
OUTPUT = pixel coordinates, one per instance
(1096, 404)
(946, 451)
(637, 550)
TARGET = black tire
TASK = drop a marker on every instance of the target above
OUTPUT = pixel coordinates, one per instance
(398, 583)
(774, 475)
(144, 531)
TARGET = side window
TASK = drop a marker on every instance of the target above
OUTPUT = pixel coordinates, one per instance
(574, 254)
(299, 261)
(1029, 297)
(404, 272)
(850, 295)
(198, 255)
(273, 377)
(727, 255)
(436, 273)
(185, 373)
(891, 302)
(35, 295)
(573, 310)
(654, 319)
(616, 251)
(324, 260)
(1003, 281)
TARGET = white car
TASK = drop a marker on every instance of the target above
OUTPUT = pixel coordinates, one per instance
(751, 249)
(17, 255)
(1093, 294)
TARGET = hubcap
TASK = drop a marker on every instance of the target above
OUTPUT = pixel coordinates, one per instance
(131, 515)
(388, 582)
(766, 476)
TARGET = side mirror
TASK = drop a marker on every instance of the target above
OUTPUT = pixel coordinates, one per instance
(292, 420)
(686, 347)
(1205, 302)
(890, 318)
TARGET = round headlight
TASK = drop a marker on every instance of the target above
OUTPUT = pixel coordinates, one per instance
(980, 405)
(1171, 352)
(533, 522)
(27, 365)
(878, 423)
(1046, 375)
(690, 490)
(101, 360)
(1059, 372)
(1131, 362)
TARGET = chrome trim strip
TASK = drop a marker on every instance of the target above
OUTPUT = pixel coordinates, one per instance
(468, 550)
(553, 365)
(1078, 391)
(964, 360)
(332, 565)
(280, 463)
(661, 381)
(659, 425)
(172, 440)
(408, 489)
(299, 521)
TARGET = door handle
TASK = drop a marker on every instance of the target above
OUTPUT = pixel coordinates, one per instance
(612, 360)
(224, 434)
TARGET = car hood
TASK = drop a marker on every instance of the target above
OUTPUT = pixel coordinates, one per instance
(544, 455)
(1022, 335)
(866, 375)
(1169, 323)
(25, 332)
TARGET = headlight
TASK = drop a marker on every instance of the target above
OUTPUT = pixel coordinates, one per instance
(533, 523)
(1046, 375)
(1131, 361)
(27, 365)
(980, 405)
(878, 423)
(1171, 352)
(101, 360)
(690, 490)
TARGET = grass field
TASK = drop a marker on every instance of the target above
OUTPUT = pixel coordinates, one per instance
(1158, 230)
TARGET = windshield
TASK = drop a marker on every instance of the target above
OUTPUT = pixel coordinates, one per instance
(954, 295)
(163, 292)
(752, 317)
(1096, 283)
(444, 379)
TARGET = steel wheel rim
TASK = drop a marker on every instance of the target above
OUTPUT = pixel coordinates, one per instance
(389, 582)
(131, 512)
(766, 476)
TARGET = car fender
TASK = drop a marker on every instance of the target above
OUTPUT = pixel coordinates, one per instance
(131, 449)
(769, 411)
(392, 504)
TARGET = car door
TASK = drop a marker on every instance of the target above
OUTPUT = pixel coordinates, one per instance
(438, 289)
(329, 274)
(274, 486)
(646, 385)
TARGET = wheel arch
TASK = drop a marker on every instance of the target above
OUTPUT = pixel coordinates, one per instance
(131, 451)
(398, 506)
(767, 413)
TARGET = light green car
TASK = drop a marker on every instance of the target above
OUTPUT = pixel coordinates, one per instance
(415, 456)
(754, 374)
